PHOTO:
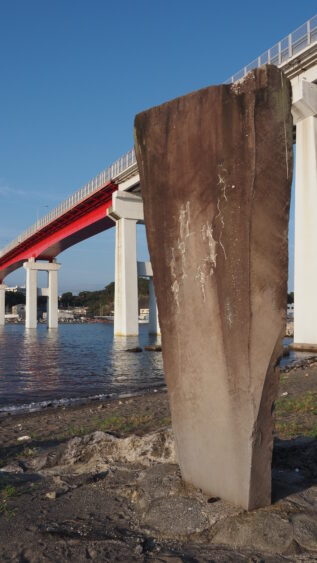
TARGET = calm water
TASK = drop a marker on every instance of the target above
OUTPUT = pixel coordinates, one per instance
(76, 362)
(73, 362)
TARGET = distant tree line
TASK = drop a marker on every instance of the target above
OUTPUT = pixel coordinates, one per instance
(101, 302)
(16, 298)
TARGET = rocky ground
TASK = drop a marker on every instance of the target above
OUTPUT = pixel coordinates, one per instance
(100, 482)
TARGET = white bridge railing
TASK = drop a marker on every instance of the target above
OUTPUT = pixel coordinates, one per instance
(284, 50)
(278, 55)
(119, 166)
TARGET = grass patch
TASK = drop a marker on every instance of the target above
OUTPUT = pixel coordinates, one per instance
(6, 493)
(296, 416)
(122, 425)
(305, 404)
(131, 424)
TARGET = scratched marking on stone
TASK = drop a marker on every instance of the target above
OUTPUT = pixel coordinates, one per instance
(207, 266)
(222, 182)
(201, 277)
(173, 265)
(180, 250)
(228, 313)
(175, 290)
(207, 234)
(184, 220)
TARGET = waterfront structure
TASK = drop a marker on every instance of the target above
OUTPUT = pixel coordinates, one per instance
(16, 289)
(19, 310)
(97, 207)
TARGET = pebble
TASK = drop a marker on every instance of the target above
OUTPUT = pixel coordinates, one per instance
(23, 438)
(51, 495)
(284, 394)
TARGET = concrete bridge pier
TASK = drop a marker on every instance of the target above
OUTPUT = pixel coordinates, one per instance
(126, 211)
(31, 294)
(145, 271)
(51, 292)
(53, 295)
(154, 325)
(305, 264)
(2, 304)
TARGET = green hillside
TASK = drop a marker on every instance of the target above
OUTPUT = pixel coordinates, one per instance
(101, 302)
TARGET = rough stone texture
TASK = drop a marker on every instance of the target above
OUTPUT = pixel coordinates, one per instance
(94, 499)
(216, 171)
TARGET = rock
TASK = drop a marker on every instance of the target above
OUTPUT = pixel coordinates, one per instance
(176, 516)
(258, 530)
(13, 467)
(216, 171)
(24, 438)
(305, 530)
(51, 495)
(154, 348)
(135, 350)
(96, 451)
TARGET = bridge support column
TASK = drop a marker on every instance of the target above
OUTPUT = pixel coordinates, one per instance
(154, 326)
(51, 292)
(145, 271)
(2, 304)
(31, 294)
(126, 281)
(305, 264)
(52, 309)
(126, 211)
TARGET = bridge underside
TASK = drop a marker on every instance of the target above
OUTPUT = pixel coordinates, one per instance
(84, 220)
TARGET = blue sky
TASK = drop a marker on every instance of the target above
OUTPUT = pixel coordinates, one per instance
(74, 74)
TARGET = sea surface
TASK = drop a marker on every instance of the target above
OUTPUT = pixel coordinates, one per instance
(77, 361)
(45, 367)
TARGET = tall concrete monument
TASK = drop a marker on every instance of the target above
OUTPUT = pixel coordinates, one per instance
(216, 171)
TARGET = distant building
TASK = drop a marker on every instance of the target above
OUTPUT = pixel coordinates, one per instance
(144, 315)
(19, 310)
(79, 311)
(290, 309)
(65, 315)
(11, 317)
(16, 289)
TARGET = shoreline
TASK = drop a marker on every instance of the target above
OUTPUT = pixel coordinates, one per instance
(100, 481)
(25, 408)
(69, 402)
(141, 412)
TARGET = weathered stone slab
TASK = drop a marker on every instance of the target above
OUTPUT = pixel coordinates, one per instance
(216, 171)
